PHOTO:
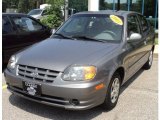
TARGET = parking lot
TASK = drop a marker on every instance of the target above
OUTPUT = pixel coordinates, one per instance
(138, 101)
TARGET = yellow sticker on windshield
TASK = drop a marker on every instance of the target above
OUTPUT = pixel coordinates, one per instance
(116, 19)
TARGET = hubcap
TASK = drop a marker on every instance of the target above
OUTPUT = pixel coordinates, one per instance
(115, 90)
(150, 58)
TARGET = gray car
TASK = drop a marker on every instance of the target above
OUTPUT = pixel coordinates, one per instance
(85, 62)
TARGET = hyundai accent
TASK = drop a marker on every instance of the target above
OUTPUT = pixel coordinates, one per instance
(85, 62)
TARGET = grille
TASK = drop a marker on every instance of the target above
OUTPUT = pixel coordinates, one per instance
(38, 74)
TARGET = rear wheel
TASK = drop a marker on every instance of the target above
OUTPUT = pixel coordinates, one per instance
(112, 92)
(148, 64)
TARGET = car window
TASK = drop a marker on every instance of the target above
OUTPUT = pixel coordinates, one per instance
(35, 12)
(25, 24)
(132, 25)
(6, 26)
(44, 12)
(76, 25)
(144, 23)
(96, 26)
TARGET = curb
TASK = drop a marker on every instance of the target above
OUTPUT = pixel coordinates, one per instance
(155, 54)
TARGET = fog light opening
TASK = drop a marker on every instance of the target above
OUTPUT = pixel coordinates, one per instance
(74, 102)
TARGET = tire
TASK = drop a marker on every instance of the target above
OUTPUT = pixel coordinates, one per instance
(148, 64)
(111, 100)
(3, 64)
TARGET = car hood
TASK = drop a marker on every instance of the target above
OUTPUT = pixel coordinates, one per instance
(57, 54)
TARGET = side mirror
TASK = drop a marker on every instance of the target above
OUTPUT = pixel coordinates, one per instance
(134, 37)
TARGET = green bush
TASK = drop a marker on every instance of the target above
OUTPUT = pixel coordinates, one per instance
(51, 21)
(53, 17)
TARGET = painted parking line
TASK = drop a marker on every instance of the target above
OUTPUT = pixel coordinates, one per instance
(4, 87)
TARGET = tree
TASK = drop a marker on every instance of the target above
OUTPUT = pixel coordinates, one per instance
(102, 4)
(23, 6)
(54, 14)
(9, 4)
(32, 4)
(4, 6)
(55, 3)
(79, 5)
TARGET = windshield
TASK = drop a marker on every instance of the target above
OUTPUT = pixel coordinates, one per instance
(35, 12)
(95, 26)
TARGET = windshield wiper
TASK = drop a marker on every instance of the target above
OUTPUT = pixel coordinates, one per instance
(66, 37)
(88, 38)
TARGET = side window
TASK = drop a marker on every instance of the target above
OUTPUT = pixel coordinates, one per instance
(132, 25)
(144, 23)
(6, 26)
(25, 24)
(44, 12)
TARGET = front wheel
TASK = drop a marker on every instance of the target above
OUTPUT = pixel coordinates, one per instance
(112, 92)
(148, 64)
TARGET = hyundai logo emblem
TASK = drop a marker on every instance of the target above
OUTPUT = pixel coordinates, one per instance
(34, 74)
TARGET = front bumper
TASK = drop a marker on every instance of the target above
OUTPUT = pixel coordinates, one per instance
(61, 93)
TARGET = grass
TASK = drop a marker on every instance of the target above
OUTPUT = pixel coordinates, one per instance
(156, 41)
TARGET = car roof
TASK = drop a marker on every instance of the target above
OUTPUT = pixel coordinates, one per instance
(113, 12)
(14, 14)
(37, 9)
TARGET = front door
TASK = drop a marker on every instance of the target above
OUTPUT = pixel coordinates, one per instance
(9, 39)
(135, 49)
(147, 33)
(29, 31)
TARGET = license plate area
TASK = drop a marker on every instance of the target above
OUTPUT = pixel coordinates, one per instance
(32, 88)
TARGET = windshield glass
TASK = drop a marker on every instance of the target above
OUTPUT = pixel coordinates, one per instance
(35, 12)
(96, 26)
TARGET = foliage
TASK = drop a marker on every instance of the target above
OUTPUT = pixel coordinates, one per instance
(103, 4)
(9, 4)
(55, 3)
(23, 6)
(53, 19)
(78, 5)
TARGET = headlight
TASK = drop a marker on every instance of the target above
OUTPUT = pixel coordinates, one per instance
(77, 73)
(12, 62)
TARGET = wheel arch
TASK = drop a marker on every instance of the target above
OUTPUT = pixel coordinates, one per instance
(121, 71)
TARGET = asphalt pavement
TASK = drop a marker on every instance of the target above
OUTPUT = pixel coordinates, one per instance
(138, 101)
